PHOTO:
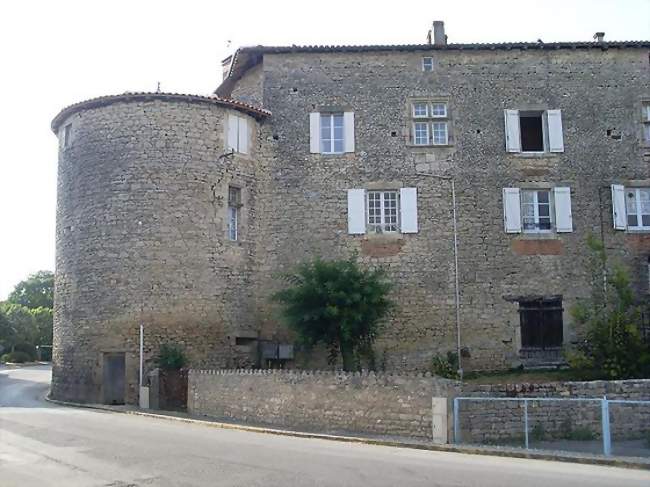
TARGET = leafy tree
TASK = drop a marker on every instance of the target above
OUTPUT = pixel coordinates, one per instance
(613, 347)
(336, 303)
(43, 320)
(21, 323)
(35, 292)
(171, 357)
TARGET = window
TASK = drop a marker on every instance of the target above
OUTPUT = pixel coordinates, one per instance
(67, 135)
(637, 206)
(238, 136)
(382, 211)
(646, 122)
(534, 131)
(331, 137)
(536, 210)
(427, 64)
(234, 204)
(541, 323)
(331, 132)
(433, 131)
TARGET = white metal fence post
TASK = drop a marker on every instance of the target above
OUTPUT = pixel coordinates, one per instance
(607, 439)
(456, 422)
(526, 422)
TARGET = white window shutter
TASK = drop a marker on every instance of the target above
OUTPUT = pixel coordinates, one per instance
(314, 133)
(512, 210)
(232, 133)
(513, 138)
(563, 217)
(243, 135)
(356, 211)
(618, 207)
(348, 130)
(408, 200)
(555, 136)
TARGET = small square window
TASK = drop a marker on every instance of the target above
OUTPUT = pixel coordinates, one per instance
(439, 110)
(427, 64)
(421, 133)
(420, 110)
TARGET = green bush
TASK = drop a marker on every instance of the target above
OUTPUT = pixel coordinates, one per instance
(15, 357)
(538, 433)
(26, 348)
(171, 357)
(446, 367)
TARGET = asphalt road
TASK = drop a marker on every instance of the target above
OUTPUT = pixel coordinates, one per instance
(46, 445)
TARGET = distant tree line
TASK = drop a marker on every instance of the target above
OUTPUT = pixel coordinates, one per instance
(26, 319)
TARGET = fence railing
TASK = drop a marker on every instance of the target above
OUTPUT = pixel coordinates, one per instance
(501, 420)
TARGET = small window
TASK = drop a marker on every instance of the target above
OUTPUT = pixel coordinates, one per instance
(646, 122)
(331, 136)
(234, 205)
(427, 64)
(439, 130)
(541, 323)
(637, 204)
(67, 135)
(421, 133)
(536, 210)
(382, 211)
(238, 134)
(439, 110)
(531, 126)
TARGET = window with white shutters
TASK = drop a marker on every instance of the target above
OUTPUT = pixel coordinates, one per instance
(238, 134)
(331, 133)
(534, 131)
(637, 206)
(382, 211)
(537, 210)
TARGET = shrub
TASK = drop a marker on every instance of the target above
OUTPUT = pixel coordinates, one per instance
(538, 433)
(26, 348)
(171, 357)
(446, 367)
(15, 357)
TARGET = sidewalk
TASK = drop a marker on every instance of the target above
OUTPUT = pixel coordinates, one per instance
(558, 456)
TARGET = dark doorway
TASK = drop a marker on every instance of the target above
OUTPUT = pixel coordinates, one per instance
(541, 324)
(114, 378)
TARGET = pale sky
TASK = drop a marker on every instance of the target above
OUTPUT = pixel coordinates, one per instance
(54, 53)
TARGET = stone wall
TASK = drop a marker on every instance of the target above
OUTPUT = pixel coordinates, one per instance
(334, 402)
(502, 421)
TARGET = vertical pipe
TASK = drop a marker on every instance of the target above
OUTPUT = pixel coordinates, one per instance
(141, 350)
(607, 439)
(526, 422)
(456, 422)
(457, 289)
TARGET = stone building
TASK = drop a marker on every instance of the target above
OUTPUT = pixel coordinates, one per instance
(178, 211)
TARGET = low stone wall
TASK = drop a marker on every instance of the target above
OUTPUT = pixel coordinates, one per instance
(499, 421)
(335, 402)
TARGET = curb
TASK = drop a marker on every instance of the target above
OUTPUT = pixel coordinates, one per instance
(530, 454)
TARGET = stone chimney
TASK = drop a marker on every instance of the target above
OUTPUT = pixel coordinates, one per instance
(599, 36)
(438, 34)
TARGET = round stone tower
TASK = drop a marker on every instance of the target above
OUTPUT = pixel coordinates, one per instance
(147, 234)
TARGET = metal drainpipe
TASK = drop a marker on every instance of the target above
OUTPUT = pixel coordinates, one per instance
(456, 279)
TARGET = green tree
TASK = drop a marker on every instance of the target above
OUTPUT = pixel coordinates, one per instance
(34, 292)
(43, 320)
(21, 326)
(336, 303)
(613, 347)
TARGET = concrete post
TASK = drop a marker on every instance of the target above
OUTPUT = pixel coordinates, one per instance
(439, 419)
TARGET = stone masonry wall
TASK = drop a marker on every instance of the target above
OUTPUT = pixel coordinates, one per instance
(334, 402)
(304, 194)
(141, 238)
(498, 421)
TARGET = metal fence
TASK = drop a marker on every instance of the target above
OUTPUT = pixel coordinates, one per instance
(588, 425)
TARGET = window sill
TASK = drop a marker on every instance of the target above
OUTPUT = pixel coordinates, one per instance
(637, 231)
(429, 146)
(383, 236)
(550, 235)
(535, 155)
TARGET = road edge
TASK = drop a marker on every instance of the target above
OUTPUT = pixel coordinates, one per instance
(471, 450)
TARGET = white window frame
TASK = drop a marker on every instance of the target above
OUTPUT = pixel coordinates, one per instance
(536, 204)
(638, 214)
(427, 60)
(381, 227)
(436, 115)
(645, 128)
(415, 138)
(332, 140)
(433, 133)
(426, 107)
